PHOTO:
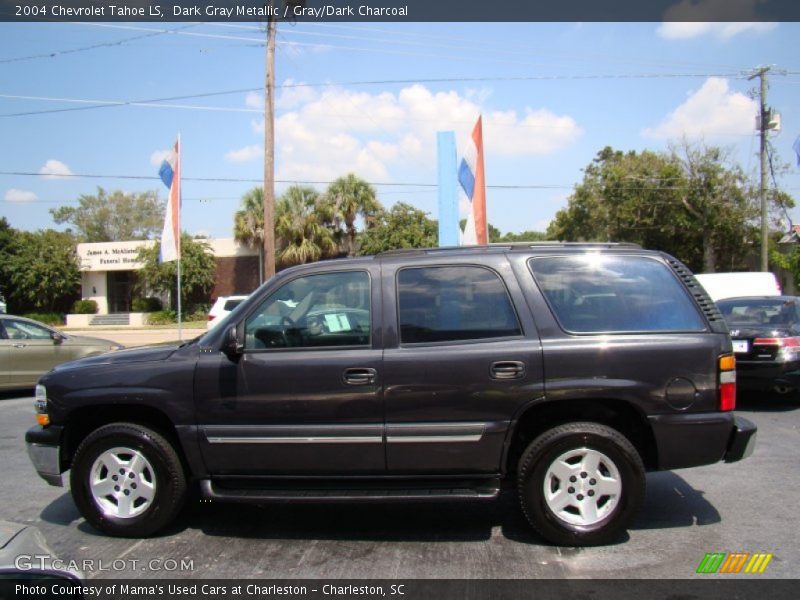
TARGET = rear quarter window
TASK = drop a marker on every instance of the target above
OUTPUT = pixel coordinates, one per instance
(597, 293)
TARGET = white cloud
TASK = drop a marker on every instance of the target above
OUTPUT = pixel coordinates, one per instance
(339, 130)
(245, 154)
(157, 157)
(723, 31)
(254, 100)
(712, 110)
(14, 195)
(53, 169)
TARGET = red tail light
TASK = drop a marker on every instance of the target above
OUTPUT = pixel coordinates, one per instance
(787, 342)
(727, 382)
(211, 317)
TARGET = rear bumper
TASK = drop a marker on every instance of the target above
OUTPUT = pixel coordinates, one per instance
(763, 376)
(743, 440)
(691, 440)
(44, 450)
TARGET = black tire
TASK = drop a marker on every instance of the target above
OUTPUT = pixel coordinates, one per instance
(613, 513)
(163, 471)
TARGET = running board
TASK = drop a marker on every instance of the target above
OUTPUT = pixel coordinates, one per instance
(210, 491)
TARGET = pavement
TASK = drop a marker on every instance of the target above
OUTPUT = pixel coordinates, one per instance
(138, 337)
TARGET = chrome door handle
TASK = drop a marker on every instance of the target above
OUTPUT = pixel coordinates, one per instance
(357, 376)
(507, 369)
(20, 345)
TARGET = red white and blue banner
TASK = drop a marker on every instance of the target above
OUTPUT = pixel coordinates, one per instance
(473, 183)
(170, 173)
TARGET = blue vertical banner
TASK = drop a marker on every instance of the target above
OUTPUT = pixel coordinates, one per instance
(448, 192)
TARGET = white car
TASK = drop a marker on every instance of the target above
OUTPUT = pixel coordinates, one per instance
(221, 308)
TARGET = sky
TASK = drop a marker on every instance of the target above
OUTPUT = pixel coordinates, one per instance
(108, 100)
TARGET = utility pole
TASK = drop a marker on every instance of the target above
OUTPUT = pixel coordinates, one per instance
(269, 150)
(764, 117)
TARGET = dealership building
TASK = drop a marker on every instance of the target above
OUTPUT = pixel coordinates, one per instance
(109, 277)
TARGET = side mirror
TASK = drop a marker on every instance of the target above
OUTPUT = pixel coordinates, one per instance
(233, 345)
(56, 337)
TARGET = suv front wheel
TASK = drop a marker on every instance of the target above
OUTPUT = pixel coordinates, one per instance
(127, 480)
(581, 484)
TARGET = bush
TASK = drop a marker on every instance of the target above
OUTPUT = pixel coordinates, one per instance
(146, 305)
(84, 307)
(48, 318)
(198, 312)
(162, 317)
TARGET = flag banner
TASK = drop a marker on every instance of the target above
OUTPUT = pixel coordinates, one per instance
(170, 173)
(472, 181)
(796, 148)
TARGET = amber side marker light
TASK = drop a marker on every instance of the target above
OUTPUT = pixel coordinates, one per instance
(43, 420)
(727, 382)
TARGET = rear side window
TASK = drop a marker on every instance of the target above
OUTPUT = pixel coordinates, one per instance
(596, 293)
(453, 303)
(231, 304)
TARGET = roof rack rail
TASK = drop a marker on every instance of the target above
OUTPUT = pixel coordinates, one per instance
(506, 246)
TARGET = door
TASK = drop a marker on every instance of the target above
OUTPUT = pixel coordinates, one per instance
(5, 357)
(32, 352)
(120, 290)
(460, 369)
(305, 397)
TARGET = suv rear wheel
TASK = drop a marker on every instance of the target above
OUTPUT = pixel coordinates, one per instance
(127, 480)
(580, 484)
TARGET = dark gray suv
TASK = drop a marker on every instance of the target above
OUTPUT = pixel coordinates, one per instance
(567, 369)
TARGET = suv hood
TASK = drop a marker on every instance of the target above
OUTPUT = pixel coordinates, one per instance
(143, 354)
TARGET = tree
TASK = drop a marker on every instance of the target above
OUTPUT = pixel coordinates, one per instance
(248, 224)
(197, 271)
(402, 227)
(42, 271)
(345, 200)
(689, 202)
(300, 236)
(117, 216)
(7, 236)
(722, 203)
(524, 236)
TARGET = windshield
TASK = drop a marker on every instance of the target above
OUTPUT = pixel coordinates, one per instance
(759, 311)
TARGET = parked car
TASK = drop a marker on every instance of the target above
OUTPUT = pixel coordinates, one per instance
(221, 308)
(569, 369)
(732, 285)
(27, 559)
(29, 349)
(766, 339)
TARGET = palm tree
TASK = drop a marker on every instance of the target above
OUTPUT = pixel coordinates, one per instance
(248, 225)
(344, 201)
(300, 235)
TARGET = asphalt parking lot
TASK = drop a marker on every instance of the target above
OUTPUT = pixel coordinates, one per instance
(748, 506)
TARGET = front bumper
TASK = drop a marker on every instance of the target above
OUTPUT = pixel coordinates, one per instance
(44, 450)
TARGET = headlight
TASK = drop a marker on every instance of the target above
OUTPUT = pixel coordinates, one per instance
(40, 404)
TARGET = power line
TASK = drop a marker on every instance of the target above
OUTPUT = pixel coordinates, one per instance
(403, 184)
(371, 50)
(93, 46)
(159, 102)
(469, 43)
